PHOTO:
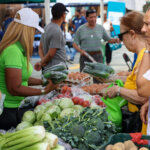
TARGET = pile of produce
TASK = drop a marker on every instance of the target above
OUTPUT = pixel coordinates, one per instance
(77, 77)
(82, 128)
(56, 73)
(89, 131)
(32, 138)
(49, 112)
(127, 145)
(98, 70)
(94, 88)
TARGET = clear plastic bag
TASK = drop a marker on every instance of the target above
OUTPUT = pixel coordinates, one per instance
(32, 100)
(1, 103)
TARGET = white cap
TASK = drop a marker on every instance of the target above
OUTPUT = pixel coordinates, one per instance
(29, 18)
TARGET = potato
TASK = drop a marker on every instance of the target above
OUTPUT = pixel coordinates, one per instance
(119, 146)
(109, 147)
(143, 148)
(134, 148)
(128, 144)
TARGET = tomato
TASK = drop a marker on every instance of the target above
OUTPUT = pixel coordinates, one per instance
(86, 104)
(42, 101)
(75, 100)
(60, 96)
(80, 101)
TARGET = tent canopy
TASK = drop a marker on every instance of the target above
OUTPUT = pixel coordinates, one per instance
(20, 1)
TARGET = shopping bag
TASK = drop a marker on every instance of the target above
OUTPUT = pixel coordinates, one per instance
(131, 122)
(113, 107)
(114, 46)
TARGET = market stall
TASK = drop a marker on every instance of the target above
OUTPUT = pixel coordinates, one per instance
(75, 116)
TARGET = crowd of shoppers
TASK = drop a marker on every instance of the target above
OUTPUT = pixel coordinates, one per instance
(16, 49)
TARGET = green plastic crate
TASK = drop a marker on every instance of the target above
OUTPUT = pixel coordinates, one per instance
(122, 137)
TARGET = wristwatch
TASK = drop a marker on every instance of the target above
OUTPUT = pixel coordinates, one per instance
(147, 51)
(42, 91)
(118, 91)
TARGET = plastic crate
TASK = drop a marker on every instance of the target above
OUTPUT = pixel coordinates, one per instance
(122, 137)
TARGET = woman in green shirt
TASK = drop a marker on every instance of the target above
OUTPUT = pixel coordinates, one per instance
(15, 69)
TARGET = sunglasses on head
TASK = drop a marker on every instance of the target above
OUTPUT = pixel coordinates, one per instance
(121, 35)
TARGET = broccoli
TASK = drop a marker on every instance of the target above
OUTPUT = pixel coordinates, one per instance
(93, 138)
(77, 130)
(82, 146)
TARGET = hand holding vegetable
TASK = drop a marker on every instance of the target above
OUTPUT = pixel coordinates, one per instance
(111, 92)
(144, 112)
(37, 66)
(50, 86)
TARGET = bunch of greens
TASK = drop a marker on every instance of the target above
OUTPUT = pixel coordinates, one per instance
(88, 131)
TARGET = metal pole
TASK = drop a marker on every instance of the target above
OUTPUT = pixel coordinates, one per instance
(102, 11)
(47, 11)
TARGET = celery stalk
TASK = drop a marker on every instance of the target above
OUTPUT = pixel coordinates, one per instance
(39, 146)
(23, 138)
(58, 147)
(52, 139)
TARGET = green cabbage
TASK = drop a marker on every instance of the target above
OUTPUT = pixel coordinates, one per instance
(46, 117)
(39, 108)
(67, 112)
(29, 116)
(66, 103)
(57, 101)
(48, 104)
(23, 125)
(53, 111)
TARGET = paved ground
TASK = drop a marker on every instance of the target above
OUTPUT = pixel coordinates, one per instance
(117, 63)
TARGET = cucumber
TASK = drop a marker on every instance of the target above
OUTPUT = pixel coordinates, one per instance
(100, 66)
(58, 80)
(65, 72)
(96, 73)
(58, 67)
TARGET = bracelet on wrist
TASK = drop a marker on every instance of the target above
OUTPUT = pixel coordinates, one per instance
(118, 91)
(42, 91)
(147, 51)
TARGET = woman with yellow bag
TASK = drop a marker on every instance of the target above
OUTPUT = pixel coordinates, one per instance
(134, 40)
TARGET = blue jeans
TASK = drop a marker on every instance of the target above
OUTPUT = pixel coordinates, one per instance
(73, 53)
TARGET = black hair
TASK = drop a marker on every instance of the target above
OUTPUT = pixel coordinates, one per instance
(90, 11)
(57, 15)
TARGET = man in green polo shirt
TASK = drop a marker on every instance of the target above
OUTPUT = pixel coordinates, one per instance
(88, 39)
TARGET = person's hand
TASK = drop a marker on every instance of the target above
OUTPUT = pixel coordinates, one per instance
(38, 66)
(111, 92)
(118, 41)
(83, 53)
(50, 86)
(144, 112)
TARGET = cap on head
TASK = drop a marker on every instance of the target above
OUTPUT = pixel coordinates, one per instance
(58, 9)
(29, 18)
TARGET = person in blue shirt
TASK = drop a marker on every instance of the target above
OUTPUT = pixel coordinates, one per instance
(8, 19)
(77, 21)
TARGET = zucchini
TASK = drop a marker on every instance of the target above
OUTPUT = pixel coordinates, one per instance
(59, 67)
(58, 80)
(96, 73)
(100, 66)
(65, 72)
(47, 75)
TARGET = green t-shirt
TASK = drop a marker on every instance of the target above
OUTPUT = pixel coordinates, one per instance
(13, 57)
(90, 39)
